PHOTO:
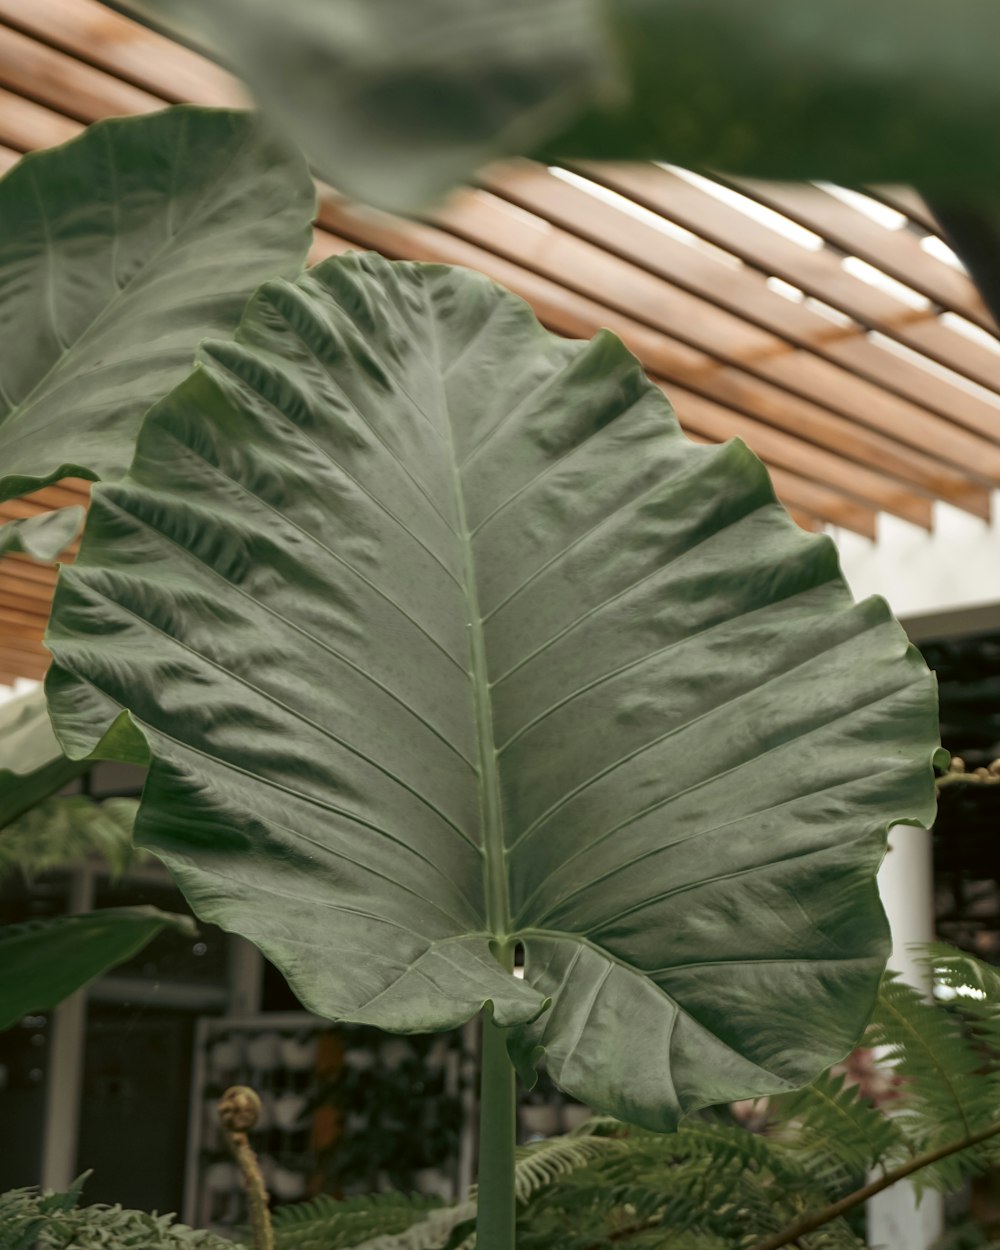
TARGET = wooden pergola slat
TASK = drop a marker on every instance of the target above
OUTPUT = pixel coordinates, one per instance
(96, 35)
(49, 77)
(779, 450)
(819, 273)
(896, 252)
(664, 355)
(25, 125)
(484, 223)
(742, 290)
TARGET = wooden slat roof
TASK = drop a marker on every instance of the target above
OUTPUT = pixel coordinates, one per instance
(835, 333)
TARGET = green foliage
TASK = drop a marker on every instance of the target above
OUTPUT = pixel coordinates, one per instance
(943, 1093)
(541, 1163)
(42, 537)
(32, 764)
(714, 1184)
(64, 831)
(328, 1224)
(438, 651)
(43, 961)
(397, 101)
(834, 1131)
(969, 1235)
(121, 249)
(34, 1220)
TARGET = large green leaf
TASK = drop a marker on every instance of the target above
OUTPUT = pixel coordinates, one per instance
(441, 633)
(44, 961)
(398, 100)
(118, 252)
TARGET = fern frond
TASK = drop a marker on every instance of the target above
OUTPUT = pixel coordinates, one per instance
(436, 1230)
(976, 986)
(327, 1223)
(718, 1149)
(833, 1129)
(943, 1094)
(540, 1163)
(32, 1219)
(835, 1236)
(927, 1048)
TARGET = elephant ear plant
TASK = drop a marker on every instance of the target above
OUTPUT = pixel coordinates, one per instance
(442, 641)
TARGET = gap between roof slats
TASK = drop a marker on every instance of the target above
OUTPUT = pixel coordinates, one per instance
(908, 202)
(691, 201)
(592, 272)
(577, 206)
(897, 252)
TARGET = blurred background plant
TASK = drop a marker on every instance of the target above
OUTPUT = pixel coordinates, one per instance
(922, 1100)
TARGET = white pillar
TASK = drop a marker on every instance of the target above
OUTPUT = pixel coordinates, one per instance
(906, 883)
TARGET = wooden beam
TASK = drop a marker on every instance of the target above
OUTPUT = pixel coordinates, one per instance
(18, 664)
(24, 664)
(824, 506)
(15, 586)
(724, 339)
(781, 451)
(805, 520)
(908, 202)
(16, 624)
(24, 646)
(24, 568)
(25, 125)
(101, 37)
(819, 500)
(896, 252)
(743, 290)
(50, 77)
(818, 273)
(28, 604)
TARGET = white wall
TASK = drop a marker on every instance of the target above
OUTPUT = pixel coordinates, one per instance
(956, 565)
(21, 686)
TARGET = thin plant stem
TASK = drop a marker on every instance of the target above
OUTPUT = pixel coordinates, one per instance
(497, 1135)
(238, 1110)
(816, 1219)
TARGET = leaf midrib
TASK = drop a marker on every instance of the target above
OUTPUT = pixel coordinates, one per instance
(496, 890)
